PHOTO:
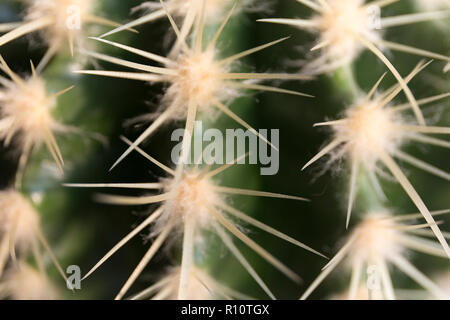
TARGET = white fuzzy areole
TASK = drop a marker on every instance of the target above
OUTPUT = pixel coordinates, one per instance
(362, 293)
(64, 14)
(198, 80)
(28, 108)
(375, 238)
(367, 130)
(26, 283)
(15, 209)
(339, 27)
(193, 197)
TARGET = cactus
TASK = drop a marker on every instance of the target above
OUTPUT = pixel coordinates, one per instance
(102, 77)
